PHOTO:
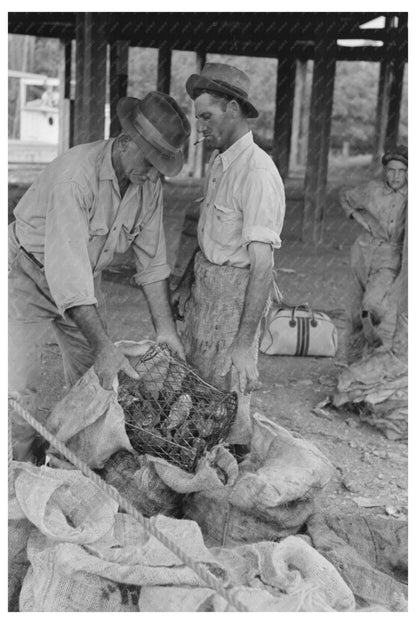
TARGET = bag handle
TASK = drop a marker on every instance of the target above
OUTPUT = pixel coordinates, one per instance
(306, 307)
(277, 292)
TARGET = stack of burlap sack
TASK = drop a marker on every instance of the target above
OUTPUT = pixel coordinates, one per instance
(73, 549)
(85, 555)
(377, 386)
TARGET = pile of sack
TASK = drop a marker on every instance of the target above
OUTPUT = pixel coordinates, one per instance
(253, 525)
(376, 388)
(85, 555)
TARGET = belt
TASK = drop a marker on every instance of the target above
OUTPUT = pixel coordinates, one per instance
(31, 257)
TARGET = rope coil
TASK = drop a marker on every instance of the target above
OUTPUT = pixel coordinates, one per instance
(199, 568)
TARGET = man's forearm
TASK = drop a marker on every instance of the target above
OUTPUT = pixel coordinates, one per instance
(257, 292)
(108, 359)
(157, 297)
(89, 322)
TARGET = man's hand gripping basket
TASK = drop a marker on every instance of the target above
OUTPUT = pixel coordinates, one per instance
(171, 412)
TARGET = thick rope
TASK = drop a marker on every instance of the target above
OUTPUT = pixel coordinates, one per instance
(10, 458)
(147, 523)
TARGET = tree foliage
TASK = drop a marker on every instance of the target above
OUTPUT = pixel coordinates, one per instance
(355, 94)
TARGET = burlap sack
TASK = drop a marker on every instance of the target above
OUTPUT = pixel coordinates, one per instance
(125, 568)
(18, 563)
(90, 421)
(135, 478)
(371, 587)
(273, 495)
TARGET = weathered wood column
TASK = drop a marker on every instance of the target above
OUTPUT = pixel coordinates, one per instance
(396, 87)
(297, 140)
(196, 152)
(381, 114)
(285, 98)
(188, 241)
(91, 59)
(119, 62)
(384, 86)
(66, 105)
(164, 62)
(395, 98)
(319, 132)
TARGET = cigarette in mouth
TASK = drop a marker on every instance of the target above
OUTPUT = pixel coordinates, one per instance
(199, 140)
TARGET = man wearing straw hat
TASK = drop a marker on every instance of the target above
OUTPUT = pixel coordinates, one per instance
(224, 291)
(93, 201)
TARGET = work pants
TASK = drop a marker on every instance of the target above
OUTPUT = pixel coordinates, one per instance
(32, 311)
(374, 269)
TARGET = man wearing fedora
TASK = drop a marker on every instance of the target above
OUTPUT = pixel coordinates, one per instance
(93, 201)
(223, 293)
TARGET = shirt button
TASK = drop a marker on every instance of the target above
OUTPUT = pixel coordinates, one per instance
(105, 250)
(114, 228)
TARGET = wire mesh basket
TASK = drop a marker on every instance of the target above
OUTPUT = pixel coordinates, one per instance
(171, 412)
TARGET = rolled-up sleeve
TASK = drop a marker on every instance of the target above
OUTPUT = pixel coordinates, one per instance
(149, 246)
(263, 202)
(67, 264)
(355, 198)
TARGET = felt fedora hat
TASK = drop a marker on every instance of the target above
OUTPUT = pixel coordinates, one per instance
(158, 126)
(223, 79)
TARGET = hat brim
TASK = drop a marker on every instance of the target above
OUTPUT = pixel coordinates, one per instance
(398, 157)
(168, 166)
(195, 81)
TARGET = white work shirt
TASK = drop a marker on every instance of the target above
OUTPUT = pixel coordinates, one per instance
(244, 202)
(73, 220)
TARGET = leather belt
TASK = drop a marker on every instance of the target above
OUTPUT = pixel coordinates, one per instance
(31, 257)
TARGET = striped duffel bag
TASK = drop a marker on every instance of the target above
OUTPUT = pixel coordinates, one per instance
(298, 330)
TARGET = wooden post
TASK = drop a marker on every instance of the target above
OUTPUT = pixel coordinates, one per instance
(395, 98)
(381, 115)
(300, 82)
(90, 88)
(164, 62)
(197, 151)
(304, 115)
(70, 91)
(119, 61)
(285, 96)
(319, 134)
(396, 86)
(188, 241)
(64, 141)
(384, 85)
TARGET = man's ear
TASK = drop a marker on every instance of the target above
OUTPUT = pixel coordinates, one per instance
(234, 108)
(123, 141)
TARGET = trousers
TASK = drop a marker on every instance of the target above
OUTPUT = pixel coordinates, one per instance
(374, 270)
(32, 312)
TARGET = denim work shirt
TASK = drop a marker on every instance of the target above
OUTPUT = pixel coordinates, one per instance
(244, 202)
(73, 220)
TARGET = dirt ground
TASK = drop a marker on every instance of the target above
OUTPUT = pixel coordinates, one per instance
(371, 471)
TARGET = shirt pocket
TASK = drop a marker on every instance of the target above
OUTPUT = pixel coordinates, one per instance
(127, 236)
(97, 227)
(130, 234)
(226, 229)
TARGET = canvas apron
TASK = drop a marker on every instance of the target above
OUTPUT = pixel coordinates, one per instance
(212, 319)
